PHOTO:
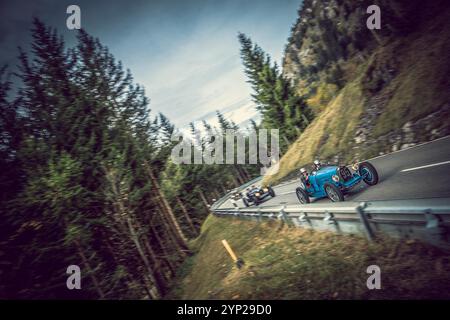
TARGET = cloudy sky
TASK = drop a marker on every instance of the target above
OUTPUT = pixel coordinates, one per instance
(185, 53)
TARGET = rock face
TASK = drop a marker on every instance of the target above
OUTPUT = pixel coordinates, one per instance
(409, 134)
(422, 130)
(329, 32)
(326, 32)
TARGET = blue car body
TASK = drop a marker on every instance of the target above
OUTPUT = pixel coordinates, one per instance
(347, 180)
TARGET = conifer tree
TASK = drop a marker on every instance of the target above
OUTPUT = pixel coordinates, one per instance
(281, 108)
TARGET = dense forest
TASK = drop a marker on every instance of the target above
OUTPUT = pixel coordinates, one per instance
(87, 179)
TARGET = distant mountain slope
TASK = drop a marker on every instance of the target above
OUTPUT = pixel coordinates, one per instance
(373, 92)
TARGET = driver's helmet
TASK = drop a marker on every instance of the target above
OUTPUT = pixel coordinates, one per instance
(303, 172)
(317, 164)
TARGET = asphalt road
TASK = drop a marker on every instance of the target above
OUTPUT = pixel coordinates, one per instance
(421, 172)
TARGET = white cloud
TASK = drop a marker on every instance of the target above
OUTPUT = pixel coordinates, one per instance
(191, 71)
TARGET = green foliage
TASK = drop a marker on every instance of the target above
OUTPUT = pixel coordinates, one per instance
(189, 181)
(87, 178)
(56, 188)
(281, 108)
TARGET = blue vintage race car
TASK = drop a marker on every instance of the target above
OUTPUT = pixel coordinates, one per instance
(334, 181)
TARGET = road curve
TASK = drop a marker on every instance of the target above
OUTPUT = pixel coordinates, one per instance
(420, 172)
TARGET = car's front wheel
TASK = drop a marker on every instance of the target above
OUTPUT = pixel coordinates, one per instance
(369, 173)
(271, 192)
(302, 195)
(334, 193)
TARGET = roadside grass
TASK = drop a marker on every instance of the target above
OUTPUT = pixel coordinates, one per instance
(295, 263)
(324, 94)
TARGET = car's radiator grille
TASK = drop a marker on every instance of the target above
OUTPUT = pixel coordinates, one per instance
(345, 173)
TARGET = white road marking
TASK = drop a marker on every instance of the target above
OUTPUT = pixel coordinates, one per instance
(282, 194)
(427, 166)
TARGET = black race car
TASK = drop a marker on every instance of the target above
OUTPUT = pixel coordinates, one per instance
(256, 194)
(236, 194)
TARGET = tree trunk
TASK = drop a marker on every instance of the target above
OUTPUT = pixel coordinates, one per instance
(247, 174)
(186, 215)
(286, 140)
(205, 202)
(235, 181)
(86, 264)
(159, 273)
(123, 216)
(170, 230)
(162, 246)
(238, 175)
(151, 273)
(168, 208)
(113, 254)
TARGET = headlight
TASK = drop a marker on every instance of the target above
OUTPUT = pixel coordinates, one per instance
(335, 178)
(265, 189)
(257, 194)
(355, 166)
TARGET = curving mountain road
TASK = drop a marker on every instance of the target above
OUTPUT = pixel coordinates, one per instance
(420, 172)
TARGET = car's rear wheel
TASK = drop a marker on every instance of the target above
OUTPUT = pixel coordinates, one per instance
(334, 193)
(271, 192)
(245, 201)
(302, 195)
(369, 173)
(256, 201)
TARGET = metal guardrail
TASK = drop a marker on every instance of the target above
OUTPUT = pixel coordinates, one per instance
(401, 219)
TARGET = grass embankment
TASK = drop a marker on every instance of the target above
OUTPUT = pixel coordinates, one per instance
(420, 86)
(294, 263)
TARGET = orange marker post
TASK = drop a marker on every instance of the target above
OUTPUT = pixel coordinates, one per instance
(239, 262)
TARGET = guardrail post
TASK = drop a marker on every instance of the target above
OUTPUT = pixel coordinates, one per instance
(329, 218)
(259, 215)
(304, 218)
(365, 222)
(237, 213)
(435, 231)
(284, 216)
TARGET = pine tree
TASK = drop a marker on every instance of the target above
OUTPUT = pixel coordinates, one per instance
(281, 108)
(87, 192)
(89, 181)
